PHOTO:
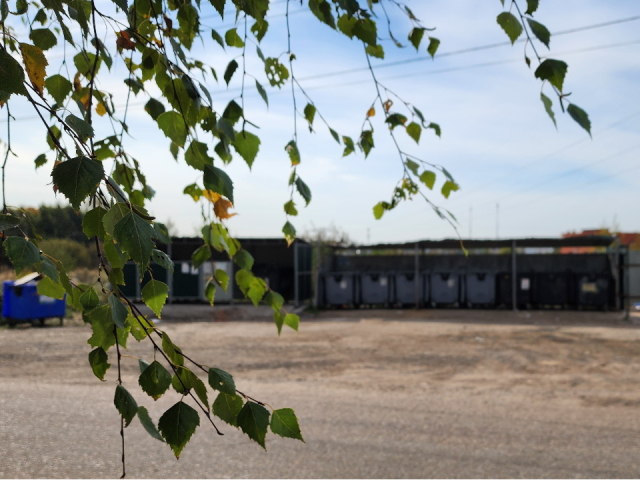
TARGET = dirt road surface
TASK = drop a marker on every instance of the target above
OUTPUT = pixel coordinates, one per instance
(486, 394)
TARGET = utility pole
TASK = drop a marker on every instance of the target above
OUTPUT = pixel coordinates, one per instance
(497, 221)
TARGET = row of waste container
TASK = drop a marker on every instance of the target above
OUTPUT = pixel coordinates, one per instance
(480, 289)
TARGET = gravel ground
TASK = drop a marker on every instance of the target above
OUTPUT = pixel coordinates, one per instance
(378, 394)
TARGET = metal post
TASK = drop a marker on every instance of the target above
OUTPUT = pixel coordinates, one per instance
(316, 293)
(514, 277)
(296, 273)
(416, 278)
(169, 278)
(616, 274)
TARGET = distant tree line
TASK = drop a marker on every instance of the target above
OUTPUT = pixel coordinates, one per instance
(61, 228)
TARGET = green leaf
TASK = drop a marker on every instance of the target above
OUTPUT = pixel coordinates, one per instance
(257, 289)
(115, 256)
(294, 154)
(262, 92)
(139, 326)
(56, 133)
(292, 320)
(163, 260)
(233, 39)
(103, 329)
(210, 292)
(546, 101)
(378, 210)
(289, 232)
(154, 108)
(322, 10)
(335, 135)
(395, 119)
(222, 278)
(346, 24)
(243, 259)
(78, 178)
(155, 380)
(222, 381)
(413, 166)
(218, 181)
(552, 70)
(247, 146)
(196, 155)
(434, 43)
(172, 125)
(191, 381)
(125, 404)
(147, 423)
(8, 222)
(49, 288)
(216, 36)
(309, 114)
(82, 128)
(415, 37)
(274, 300)
(154, 295)
(303, 190)
(414, 130)
(253, 420)
(278, 319)
(365, 30)
(43, 38)
(375, 51)
(449, 187)
(532, 6)
(511, 25)
(201, 255)
(98, 359)
(580, 116)
(49, 268)
(11, 76)
(290, 208)
(119, 312)
(428, 178)
(435, 127)
(228, 73)
(116, 277)
(161, 233)
(173, 352)
(194, 191)
(540, 31)
(260, 29)
(92, 225)
(177, 425)
(285, 424)
(58, 87)
(134, 235)
(89, 299)
(22, 253)
(227, 407)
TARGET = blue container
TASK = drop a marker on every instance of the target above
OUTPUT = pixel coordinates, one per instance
(24, 303)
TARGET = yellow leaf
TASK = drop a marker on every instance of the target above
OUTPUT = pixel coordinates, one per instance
(387, 105)
(101, 109)
(371, 112)
(211, 196)
(221, 208)
(35, 64)
(85, 100)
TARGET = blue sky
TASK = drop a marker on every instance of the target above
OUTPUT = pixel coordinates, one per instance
(496, 138)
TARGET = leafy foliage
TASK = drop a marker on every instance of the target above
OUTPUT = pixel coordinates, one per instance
(154, 42)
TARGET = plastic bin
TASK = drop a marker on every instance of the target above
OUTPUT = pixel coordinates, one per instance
(339, 289)
(446, 289)
(553, 290)
(375, 288)
(23, 303)
(404, 284)
(481, 289)
(593, 290)
(524, 290)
